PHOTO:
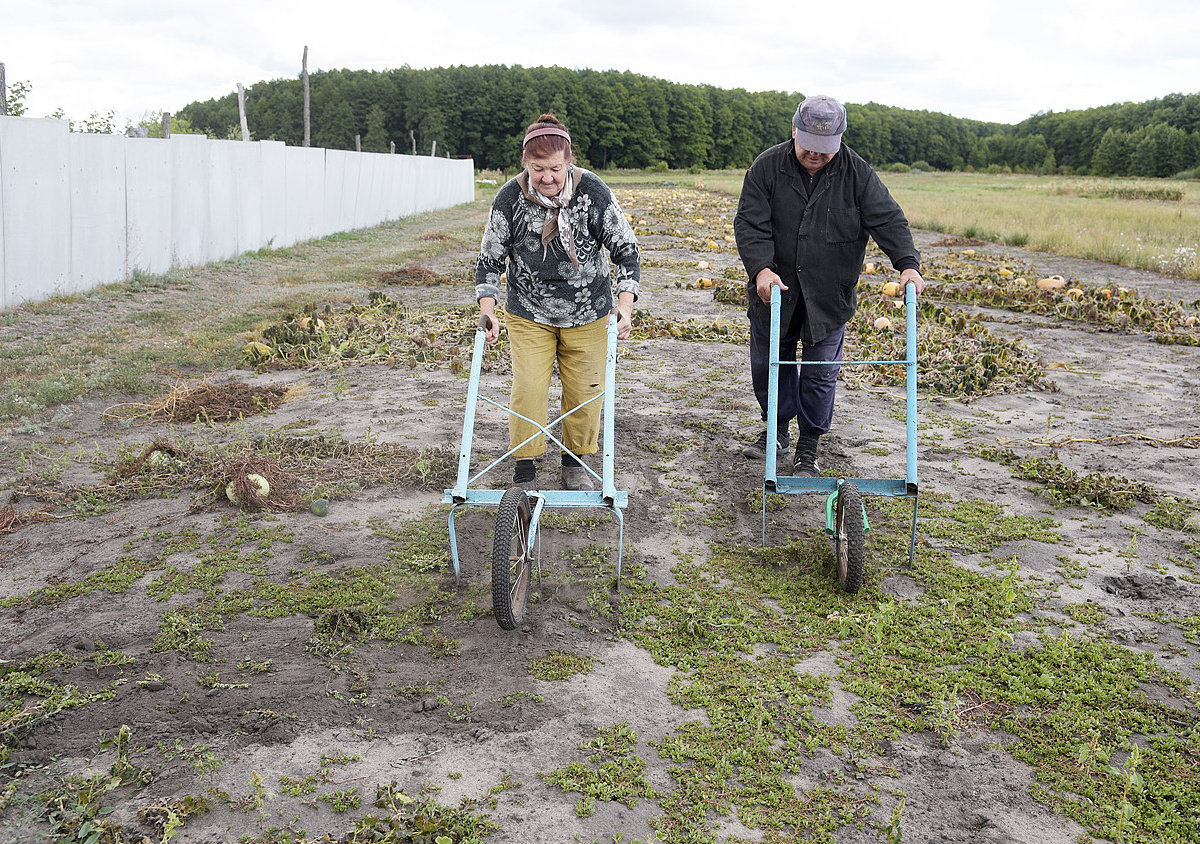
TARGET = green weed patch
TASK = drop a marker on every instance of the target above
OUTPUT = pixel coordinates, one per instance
(1070, 488)
(559, 665)
(28, 698)
(943, 662)
(619, 775)
(975, 526)
(408, 820)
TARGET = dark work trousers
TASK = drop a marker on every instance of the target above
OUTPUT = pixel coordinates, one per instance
(806, 393)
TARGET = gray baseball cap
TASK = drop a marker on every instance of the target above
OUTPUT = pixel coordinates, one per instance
(820, 122)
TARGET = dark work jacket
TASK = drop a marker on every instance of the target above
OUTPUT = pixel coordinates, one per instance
(816, 244)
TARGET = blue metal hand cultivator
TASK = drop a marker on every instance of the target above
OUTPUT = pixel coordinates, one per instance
(516, 547)
(845, 517)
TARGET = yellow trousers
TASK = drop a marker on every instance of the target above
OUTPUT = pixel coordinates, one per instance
(580, 352)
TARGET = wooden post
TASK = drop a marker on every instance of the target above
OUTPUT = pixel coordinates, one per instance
(3, 93)
(166, 125)
(304, 76)
(392, 150)
(433, 150)
(242, 111)
(358, 143)
(413, 135)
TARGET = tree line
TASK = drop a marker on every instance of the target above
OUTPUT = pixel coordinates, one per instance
(623, 119)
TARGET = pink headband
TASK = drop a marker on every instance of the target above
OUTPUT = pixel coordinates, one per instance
(548, 130)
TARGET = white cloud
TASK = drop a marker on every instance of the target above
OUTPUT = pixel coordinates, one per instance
(987, 60)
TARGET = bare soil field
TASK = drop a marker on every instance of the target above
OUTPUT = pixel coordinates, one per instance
(179, 667)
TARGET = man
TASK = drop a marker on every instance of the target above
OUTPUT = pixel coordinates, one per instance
(807, 208)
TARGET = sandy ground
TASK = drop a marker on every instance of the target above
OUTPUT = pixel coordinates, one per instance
(695, 395)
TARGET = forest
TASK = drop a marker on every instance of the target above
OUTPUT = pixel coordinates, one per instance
(626, 120)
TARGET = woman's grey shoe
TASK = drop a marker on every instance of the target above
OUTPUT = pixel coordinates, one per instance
(576, 478)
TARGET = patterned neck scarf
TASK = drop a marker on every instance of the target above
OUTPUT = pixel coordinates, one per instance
(558, 221)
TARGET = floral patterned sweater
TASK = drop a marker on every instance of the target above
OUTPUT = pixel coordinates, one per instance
(543, 285)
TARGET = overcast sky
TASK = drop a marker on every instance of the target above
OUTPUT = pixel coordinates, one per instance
(987, 60)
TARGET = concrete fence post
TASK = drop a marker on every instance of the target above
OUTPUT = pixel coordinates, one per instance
(304, 76)
(242, 111)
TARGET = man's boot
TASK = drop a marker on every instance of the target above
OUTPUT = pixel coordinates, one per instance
(805, 463)
(757, 450)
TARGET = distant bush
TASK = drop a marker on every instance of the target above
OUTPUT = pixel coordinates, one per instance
(1194, 173)
(1168, 193)
(660, 167)
(151, 121)
(1106, 188)
(897, 167)
(921, 166)
(495, 177)
(976, 233)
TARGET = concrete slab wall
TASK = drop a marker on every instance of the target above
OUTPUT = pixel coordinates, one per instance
(81, 210)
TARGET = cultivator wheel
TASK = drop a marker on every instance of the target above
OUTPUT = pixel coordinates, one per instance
(512, 562)
(849, 539)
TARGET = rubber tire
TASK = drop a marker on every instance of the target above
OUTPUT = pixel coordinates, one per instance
(512, 562)
(850, 540)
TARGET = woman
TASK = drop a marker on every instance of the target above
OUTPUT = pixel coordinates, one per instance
(544, 234)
